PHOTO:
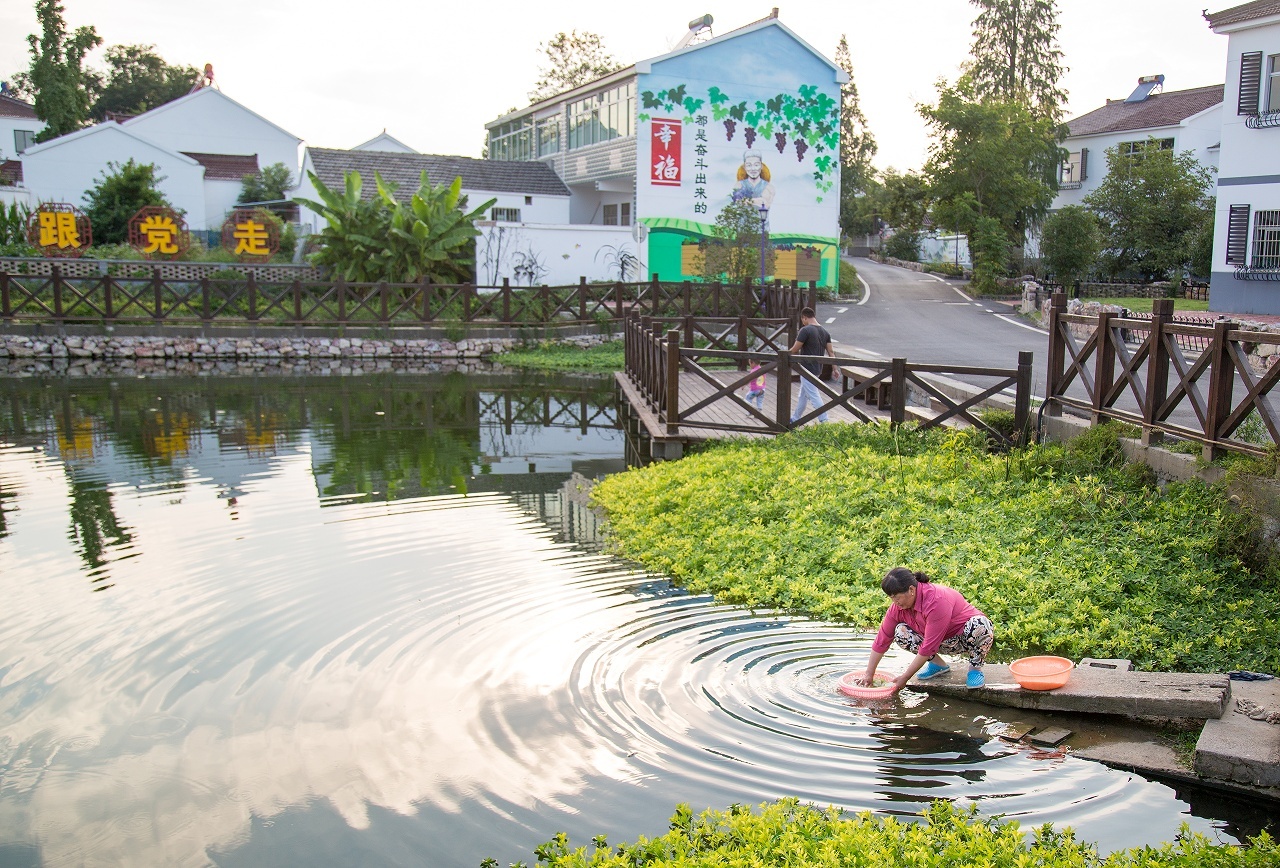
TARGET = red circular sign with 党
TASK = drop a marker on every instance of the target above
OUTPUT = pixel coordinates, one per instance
(59, 229)
(249, 234)
(158, 232)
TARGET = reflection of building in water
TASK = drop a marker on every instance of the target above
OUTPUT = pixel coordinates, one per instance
(560, 501)
(258, 435)
(76, 440)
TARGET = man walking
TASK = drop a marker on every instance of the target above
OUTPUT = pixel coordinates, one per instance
(811, 340)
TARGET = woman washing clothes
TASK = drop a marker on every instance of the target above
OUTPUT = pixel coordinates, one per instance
(925, 618)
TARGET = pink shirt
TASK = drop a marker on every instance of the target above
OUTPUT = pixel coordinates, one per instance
(939, 613)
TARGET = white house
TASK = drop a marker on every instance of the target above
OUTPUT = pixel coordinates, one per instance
(18, 127)
(201, 144)
(1246, 239)
(753, 114)
(1179, 120)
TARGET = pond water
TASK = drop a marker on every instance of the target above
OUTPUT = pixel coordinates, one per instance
(366, 620)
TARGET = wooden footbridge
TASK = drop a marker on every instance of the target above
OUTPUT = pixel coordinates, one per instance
(685, 378)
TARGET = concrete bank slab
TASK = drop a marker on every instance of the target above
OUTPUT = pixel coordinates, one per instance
(1142, 695)
(1239, 749)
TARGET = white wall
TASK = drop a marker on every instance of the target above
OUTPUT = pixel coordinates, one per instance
(1246, 152)
(8, 144)
(209, 122)
(563, 254)
(21, 195)
(219, 198)
(543, 209)
(63, 169)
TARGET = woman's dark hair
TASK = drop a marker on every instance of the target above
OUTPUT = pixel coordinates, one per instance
(901, 579)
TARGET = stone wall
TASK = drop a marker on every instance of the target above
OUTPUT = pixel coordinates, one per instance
(87, 353)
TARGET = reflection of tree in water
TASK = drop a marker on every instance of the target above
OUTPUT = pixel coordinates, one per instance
(5, 496)
(400, 438)
(94, 525)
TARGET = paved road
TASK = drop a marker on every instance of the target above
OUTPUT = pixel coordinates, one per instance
(926, 319)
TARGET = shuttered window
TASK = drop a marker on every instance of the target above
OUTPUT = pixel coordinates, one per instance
(1084, 164)
(1250, 83)
(1237, 234)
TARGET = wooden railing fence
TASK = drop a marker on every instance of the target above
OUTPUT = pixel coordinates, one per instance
(246, 300)
(658, 351)
(1204, 395)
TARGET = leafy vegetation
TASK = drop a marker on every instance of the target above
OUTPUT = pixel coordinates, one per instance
(1070, 243)
(1068, 549)
(788, 833)
(732, 253)
(139, 80)
(555, 356)
(60, 86)
(271, 184)
(121, 189)
(857, 148)
(571, 59)
(1016, 55)
(431, 236)
(903, 244)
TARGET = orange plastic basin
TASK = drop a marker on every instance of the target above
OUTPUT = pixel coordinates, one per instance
(849, 686)
(1041, 673)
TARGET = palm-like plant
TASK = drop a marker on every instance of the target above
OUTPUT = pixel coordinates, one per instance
(367, 240)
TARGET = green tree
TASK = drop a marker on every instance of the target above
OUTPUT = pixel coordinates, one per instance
(1015, 54)
(857, 147)
(904, 199)
(989, 247)
(903, 244)
(138, 79)
(732, 253)
(571, 59)
(118, 194)
(1152, 204)
(270, 184)
(1070, 243)
(366, 240)
(62, 88)
(989, 157)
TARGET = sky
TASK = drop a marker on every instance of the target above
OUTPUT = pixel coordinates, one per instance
(433, 73)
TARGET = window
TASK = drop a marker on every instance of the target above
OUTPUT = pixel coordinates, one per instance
(512, 140)
(1266, 240)
(528, 200)
(505, 215)
(1273, 83)
(1136, 149)
(23, 139)
(617, 215)
(548, 132)
(1074, 168)
(603, 116)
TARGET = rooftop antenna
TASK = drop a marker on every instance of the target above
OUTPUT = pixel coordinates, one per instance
(699, 31)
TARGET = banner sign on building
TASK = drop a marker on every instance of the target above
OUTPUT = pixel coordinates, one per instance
(158, 231)
(667, 154)
(59, 229)
(249, 234)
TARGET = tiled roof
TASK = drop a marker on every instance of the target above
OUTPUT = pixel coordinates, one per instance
(15, 108)
(1158, 110)
(11, 172)
(404, 170)
(226, 167)
(1243, 12)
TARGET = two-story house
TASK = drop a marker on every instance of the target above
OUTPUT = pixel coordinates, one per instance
(201, 144)
(1179, 120)
(752, 115)
(18, 128)
(1246, 246)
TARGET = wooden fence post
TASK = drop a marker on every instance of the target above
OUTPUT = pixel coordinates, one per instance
(206, 303)
(251, 290)
(1022, 395)
(341, 289)
(813, 294)
(898, 391)
(297, 301)
(686, 300)
(784, 388)
(57, 293)
(617, 301)
(506, 299)
(468, 294)
(544, 296)
(425, 283)
(1221, 380)
(1104, 366)
(582, 298)
(6, 303)
(1057, 352)
(655, 291)
(157, 294)
(742, 341)
(1157, 371)
(384, 312)
(673, 382)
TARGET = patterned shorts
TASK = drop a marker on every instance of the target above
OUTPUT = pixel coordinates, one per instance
(974, 640)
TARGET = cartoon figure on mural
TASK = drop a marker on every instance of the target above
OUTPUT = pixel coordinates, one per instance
(753, 181)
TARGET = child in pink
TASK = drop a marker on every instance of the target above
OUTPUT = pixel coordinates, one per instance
(755, 388)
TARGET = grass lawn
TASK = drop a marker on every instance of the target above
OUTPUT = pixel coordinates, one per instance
(552, 356)
(1143, 305)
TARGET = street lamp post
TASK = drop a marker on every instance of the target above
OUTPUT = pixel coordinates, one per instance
(764, 242)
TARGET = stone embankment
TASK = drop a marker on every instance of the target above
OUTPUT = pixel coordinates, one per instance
(45, 353)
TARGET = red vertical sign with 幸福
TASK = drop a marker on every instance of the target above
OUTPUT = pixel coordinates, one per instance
(664, 165)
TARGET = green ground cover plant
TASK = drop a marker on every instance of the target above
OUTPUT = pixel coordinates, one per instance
(1068, 549)
(792, 834)
(1143, 305)
(602, 358)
